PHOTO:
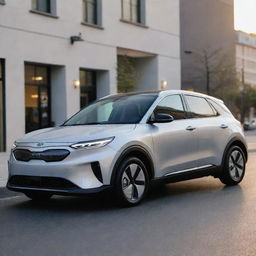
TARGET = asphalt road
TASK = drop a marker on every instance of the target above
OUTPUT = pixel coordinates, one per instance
(199, 217)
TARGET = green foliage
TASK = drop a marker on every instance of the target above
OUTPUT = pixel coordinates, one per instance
(127, 76)
(226, 87)
(246, 100)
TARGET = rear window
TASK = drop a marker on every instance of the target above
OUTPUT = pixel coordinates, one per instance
(199, 107)
(221, 108)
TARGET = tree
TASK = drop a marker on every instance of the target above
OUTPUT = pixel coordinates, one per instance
(217, 71)
(127, 76)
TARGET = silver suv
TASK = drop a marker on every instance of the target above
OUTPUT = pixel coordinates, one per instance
(125, 142)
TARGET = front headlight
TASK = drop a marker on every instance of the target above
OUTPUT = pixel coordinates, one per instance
(92, 144)
(14, 145)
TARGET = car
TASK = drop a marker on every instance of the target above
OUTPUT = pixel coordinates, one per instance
(250, 125)
(126, 142)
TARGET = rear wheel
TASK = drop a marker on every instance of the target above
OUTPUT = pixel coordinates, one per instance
(132, 182)
(38, 196)
(234, 166)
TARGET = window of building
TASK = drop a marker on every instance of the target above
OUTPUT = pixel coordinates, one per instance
(199, 107)
(172, 105)
(44, 6)
(2, 106)
(90, 11)
(88, 89)
(37, 97)
(133, 11)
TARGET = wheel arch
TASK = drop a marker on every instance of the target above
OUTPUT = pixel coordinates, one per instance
(139, 152)
(236, 141)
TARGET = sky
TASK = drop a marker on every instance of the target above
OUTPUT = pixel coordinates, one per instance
(245, 15)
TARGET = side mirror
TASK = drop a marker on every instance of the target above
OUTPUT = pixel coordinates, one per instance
(161, 118)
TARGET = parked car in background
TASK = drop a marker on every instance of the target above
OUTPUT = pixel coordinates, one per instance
(125, 142)
(250, 125)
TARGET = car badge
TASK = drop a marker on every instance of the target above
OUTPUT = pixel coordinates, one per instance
(40, 144)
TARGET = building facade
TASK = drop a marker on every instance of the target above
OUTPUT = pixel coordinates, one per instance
(207, 38)
(56, 56)
(246, 57)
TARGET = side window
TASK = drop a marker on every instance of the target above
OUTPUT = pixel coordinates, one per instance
(219, 107)
(173, 106)
(199, 107)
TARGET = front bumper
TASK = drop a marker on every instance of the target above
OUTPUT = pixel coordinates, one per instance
(24, 186)
(73, 175)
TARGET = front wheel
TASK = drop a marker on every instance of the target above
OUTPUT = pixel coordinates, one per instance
(132, 182)
(234, 166)
(38, 196)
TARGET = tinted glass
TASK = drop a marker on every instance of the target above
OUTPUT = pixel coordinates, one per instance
(88, 90)
(219, 107)
(126, 109)
(2, 108)
(37, 101)
(173, 106)
(199, 107)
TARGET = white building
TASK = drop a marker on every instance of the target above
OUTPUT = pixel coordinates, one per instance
(246, 57)
(40, 67)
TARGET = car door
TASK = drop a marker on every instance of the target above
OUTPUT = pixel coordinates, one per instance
(211, 130)
(175, 145)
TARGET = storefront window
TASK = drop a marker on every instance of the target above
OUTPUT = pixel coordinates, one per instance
(37, 99)
(87, 87)
(2, 107)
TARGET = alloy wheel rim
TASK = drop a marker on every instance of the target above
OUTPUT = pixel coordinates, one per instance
(133, 183)
(236, 165)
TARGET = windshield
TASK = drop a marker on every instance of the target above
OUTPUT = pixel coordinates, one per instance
(124, 109)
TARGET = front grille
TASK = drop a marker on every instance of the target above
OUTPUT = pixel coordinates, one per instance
(51, 155)
(41, 182)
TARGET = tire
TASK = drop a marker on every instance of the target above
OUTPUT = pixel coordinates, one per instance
(132, 182)
(233, 169)
(38, 196)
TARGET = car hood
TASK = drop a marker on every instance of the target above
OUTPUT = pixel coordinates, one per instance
(73, 134)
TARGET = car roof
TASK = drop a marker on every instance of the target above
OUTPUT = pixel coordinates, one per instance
(170, 92)
(166, 93)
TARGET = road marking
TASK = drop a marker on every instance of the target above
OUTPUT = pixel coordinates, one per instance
(9, 198)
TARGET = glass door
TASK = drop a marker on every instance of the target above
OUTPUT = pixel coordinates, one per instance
(37, 91)
(2, 107)
(88, 89)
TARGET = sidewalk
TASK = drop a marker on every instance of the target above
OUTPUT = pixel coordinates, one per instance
(251, 140)
(251, 147)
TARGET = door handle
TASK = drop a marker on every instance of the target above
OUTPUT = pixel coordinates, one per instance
(190, 128)
(224, 126)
